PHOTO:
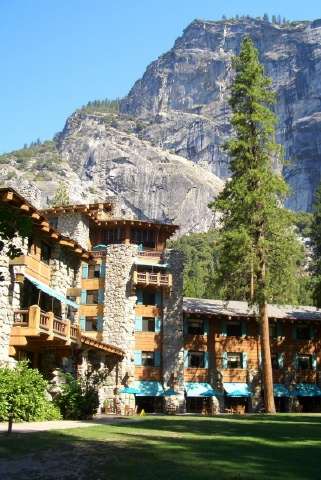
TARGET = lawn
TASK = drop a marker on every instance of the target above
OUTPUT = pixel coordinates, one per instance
(242, 447)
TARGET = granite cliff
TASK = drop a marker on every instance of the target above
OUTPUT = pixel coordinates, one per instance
(162, 154)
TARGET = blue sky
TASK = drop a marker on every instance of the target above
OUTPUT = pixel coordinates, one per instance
(56, 55)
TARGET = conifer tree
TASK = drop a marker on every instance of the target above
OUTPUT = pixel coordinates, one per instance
(257, 248)
(62, 195)
(316, 246)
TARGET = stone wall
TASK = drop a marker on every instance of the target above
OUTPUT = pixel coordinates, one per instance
(76, 226)
(119, 315)
(65, 271)
(173, 332)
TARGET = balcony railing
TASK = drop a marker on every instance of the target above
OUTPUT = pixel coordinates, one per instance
(147, 278)
(150, 254)
(35, 323)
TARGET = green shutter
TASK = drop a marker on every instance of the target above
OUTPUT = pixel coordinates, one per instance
(223, 328)
(296, 361)
(278, 330)
(243, 328)
(314, 362)
(186, 358)
(139, 294)
(224, 360)
(102, 270)
(158, 299)
(311, 332)
(158, 324)
(157, 357)
(100, 323)
(83, 297)
(101, 292)
(138, 358)
(185, 326)
(139, 324)
(280, 361)
(84, 271)
(206, 326)
(294, 332)
(83, 323)
(244, 360)
(206, 359)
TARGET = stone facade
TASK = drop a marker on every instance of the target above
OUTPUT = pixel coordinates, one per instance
(76, 226)
(119, 313)
(173, 333)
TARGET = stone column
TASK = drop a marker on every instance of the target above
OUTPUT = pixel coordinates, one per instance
(173, 332)
(119, 313)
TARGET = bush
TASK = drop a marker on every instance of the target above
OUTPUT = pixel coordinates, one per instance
(77, 399)
(22, 392)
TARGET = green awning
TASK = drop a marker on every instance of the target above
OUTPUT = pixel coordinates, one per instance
(308, 390)
(148, 389)
(237, 389)
(146, 264)
(280, 390)
(44, 288)
(194, 389)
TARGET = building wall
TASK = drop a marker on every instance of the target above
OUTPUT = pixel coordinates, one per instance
(173, 334)
(76, 226)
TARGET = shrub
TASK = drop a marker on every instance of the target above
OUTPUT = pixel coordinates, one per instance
(78, 398)
(22, 392)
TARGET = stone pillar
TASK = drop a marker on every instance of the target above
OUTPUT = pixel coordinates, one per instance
(173, 331)
(119, 313)
(76, 226)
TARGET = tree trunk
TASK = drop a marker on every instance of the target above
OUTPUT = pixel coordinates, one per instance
(266, 359)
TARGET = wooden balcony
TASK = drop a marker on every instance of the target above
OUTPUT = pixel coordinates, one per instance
(33, 327)
(147, 278)
(34, 267)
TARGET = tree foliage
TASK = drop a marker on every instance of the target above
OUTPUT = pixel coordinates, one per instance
(199, 253)
(13, 224)
(258, 249)
(62, 195)
(22, 392)
(316, 248)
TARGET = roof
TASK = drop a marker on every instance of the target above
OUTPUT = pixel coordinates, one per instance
(241, 309)
(10, 196)
(102, 214)
(102, 345)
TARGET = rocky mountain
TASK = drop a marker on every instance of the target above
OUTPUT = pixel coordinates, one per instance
(162, 154)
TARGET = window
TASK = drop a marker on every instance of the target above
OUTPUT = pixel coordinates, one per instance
(275, 361)
(234, 360)
(272, 330)
(303, 332)
(92, 297)
(304, 362)
(113, 235)
(45, 253)
(91, 324)
(143, 236)
(148, 324)
(196, 359)
(93, 271)
(234, 328)
(195, 326)
(148, 359)
(53, 222)
(149, 297)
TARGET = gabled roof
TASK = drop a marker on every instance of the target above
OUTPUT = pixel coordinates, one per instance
(10, 196)
(242, 309)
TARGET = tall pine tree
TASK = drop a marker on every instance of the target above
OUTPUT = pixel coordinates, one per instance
(316, 246)
(257, 249)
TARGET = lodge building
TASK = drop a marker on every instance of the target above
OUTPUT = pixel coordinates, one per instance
(95, 291)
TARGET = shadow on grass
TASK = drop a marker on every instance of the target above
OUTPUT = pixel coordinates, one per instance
(245, 447)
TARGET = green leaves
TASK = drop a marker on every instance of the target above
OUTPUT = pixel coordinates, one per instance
(22, 392)
(13, 225)
(257, 243)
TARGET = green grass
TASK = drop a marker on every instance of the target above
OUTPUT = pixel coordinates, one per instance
(244, 447)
